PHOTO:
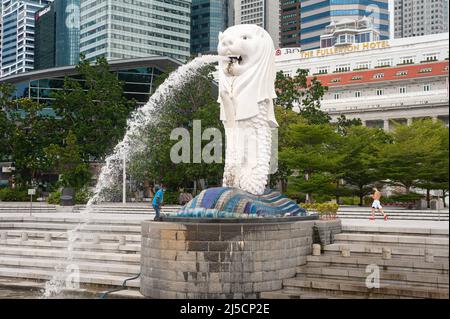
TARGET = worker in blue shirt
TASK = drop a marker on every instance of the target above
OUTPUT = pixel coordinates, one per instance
(157, 202)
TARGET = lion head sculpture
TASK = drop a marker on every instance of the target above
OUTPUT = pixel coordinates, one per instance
(246, 71)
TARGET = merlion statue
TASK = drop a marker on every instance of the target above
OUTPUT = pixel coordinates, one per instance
(246, 92)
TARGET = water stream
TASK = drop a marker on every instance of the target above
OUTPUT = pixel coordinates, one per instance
(131, 144)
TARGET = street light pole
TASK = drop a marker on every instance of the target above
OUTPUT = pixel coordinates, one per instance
(124, 180)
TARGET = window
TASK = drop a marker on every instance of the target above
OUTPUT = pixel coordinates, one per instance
(430, 57)
(401, 73)
(380, 92)
(384, 63)
(378, 75)
(402, 90)
(326, 43)
(337, 96)
(425, 70)
(407, 60)
(358, 94)
(356, 77)
(427, 87)
(362, 65)
(342, 68)
(323, 69)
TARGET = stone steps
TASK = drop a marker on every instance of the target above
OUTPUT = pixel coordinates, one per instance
(407, 273)
(45, 274)
(83, 246)
(73, 220)
(392, 240)
(389, 229)
(427, 218)
(82, 234)
(400, 277)
(288, 293)
(22, 262)
(410, 264)
(78, 255)
(107, 249)
(367, 249)
(26, 288)
(357, 288)
(65, 227)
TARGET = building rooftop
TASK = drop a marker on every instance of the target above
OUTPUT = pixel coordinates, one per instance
(165, 63)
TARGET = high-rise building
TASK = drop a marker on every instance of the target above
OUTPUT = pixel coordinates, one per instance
(290, 23)
(44, 40)
(118, 29)
(1, 29)
(348, 31)
(264, 13)
(67, 36)
(316, 15)
(419, 17)
(208, 18)
(57, 34)
(17, 36)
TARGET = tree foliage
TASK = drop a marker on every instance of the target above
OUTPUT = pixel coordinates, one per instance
(93, 107)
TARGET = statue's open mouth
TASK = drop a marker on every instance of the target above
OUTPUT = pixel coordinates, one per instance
(235, 58)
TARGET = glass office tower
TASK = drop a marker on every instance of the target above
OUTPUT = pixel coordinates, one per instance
(44, 41)
(118, 29)
(67, 35)
(57, 34)
(316, 15)
(209, 17)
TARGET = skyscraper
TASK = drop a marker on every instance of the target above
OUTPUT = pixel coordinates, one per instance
(118, 29)
(208, 18)
(264, 13)
(57, 34)
(17, 36)
(290, 23)
(67, 35)
(420, 17)
(316, 15)
(44, 40)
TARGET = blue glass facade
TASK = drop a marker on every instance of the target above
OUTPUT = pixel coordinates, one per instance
(209, 17)
(57, 34)
(316, 15)
(68, 32)
(44, 38)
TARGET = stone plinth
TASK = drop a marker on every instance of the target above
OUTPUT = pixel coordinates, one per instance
(324, 231)
(194, 259)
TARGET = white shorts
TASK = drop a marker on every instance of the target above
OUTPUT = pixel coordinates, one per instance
(376, 204)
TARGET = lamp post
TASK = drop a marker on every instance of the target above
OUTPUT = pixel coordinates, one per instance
(124, 181)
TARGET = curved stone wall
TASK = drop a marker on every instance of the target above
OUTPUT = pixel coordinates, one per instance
(229, 259)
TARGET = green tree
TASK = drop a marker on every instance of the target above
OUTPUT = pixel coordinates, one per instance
(94, 108)
(195, 100)
(307, 94)
(312, 149)
(6, 125)
(416, 155)
(67, 160)
(360, 166)
(435, 175)
(31, 133)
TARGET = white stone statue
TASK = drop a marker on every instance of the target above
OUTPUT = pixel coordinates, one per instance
(246, 92)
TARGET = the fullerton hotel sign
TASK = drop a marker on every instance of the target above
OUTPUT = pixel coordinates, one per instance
(334, 50)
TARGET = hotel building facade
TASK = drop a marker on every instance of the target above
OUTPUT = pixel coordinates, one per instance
(381, 82)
